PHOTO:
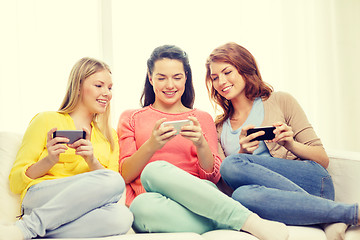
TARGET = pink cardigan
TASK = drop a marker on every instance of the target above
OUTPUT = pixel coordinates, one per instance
(135, 127)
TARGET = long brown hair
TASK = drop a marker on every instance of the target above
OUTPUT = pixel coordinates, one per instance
(245, 63)
(80, 71)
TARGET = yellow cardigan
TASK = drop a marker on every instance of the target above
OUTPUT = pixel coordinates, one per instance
(33, 148)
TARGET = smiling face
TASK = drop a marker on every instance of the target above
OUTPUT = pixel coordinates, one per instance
(168, 80)
(226, 80)
(95, 93)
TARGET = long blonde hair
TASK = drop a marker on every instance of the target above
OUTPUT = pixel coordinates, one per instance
(82, 69)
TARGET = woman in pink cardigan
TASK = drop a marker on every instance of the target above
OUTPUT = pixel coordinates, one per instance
(171, 174)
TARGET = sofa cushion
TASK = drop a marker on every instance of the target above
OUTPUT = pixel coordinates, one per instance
(296, 233)
(146, 236)
(9, 145)
(228, 235)
(353, 233)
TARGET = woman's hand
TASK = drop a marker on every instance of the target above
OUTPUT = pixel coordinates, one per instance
(161, 134)
(193, 132)
(84, 148)
(246, 145)
(284, 135)
(55, 146)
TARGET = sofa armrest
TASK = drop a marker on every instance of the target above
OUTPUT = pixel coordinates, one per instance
(344, 169)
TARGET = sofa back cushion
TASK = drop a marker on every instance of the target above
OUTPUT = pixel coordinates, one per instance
(344, 169)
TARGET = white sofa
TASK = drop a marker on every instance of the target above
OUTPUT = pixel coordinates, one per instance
(344, 168)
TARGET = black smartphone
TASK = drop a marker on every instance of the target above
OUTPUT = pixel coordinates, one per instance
(269, 133)
(72, 135)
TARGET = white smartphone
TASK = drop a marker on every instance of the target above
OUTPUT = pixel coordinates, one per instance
(72, 135)
(178, 124)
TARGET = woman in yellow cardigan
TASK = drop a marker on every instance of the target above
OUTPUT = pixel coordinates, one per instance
(71, 190)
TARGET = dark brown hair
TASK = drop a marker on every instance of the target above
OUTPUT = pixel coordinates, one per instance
(170, 52)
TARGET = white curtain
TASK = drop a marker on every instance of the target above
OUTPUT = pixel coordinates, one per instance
(309, 48)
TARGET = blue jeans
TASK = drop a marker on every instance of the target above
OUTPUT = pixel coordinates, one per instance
(83, 205)
(289, 191)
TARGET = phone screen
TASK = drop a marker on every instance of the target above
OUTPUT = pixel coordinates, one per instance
(269, 133)
(72, 135)
(178, 124)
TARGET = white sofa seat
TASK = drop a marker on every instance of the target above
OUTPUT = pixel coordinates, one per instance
(344, 168)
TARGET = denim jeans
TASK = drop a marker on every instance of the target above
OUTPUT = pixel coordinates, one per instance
(83, 205)
(289, 191)
(177, 201)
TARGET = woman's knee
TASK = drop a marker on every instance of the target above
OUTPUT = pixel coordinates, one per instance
(140, 205)
(249, 194)
(111, 178)
(233, 167)
(155, 173)
(229, 162)
(110, 183)
(227, 166)
(152, 169)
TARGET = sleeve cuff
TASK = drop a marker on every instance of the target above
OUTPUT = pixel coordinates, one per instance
(213, 176)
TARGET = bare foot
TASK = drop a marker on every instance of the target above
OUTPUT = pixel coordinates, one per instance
(335, 231)
(10, 232)
(265, 229)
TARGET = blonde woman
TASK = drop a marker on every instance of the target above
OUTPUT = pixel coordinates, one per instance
(71, 190)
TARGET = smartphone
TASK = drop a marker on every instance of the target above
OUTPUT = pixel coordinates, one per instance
(72, 135)
(269, 133)
(178, 124)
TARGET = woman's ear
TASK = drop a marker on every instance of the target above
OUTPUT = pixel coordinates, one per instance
(80, 85)
(150, 79)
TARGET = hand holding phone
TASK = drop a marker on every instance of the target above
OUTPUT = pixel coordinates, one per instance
(269, 133)
(178, 124)
(72, 135)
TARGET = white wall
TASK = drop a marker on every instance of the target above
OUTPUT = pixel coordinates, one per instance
(309, 48)
(40, 41)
